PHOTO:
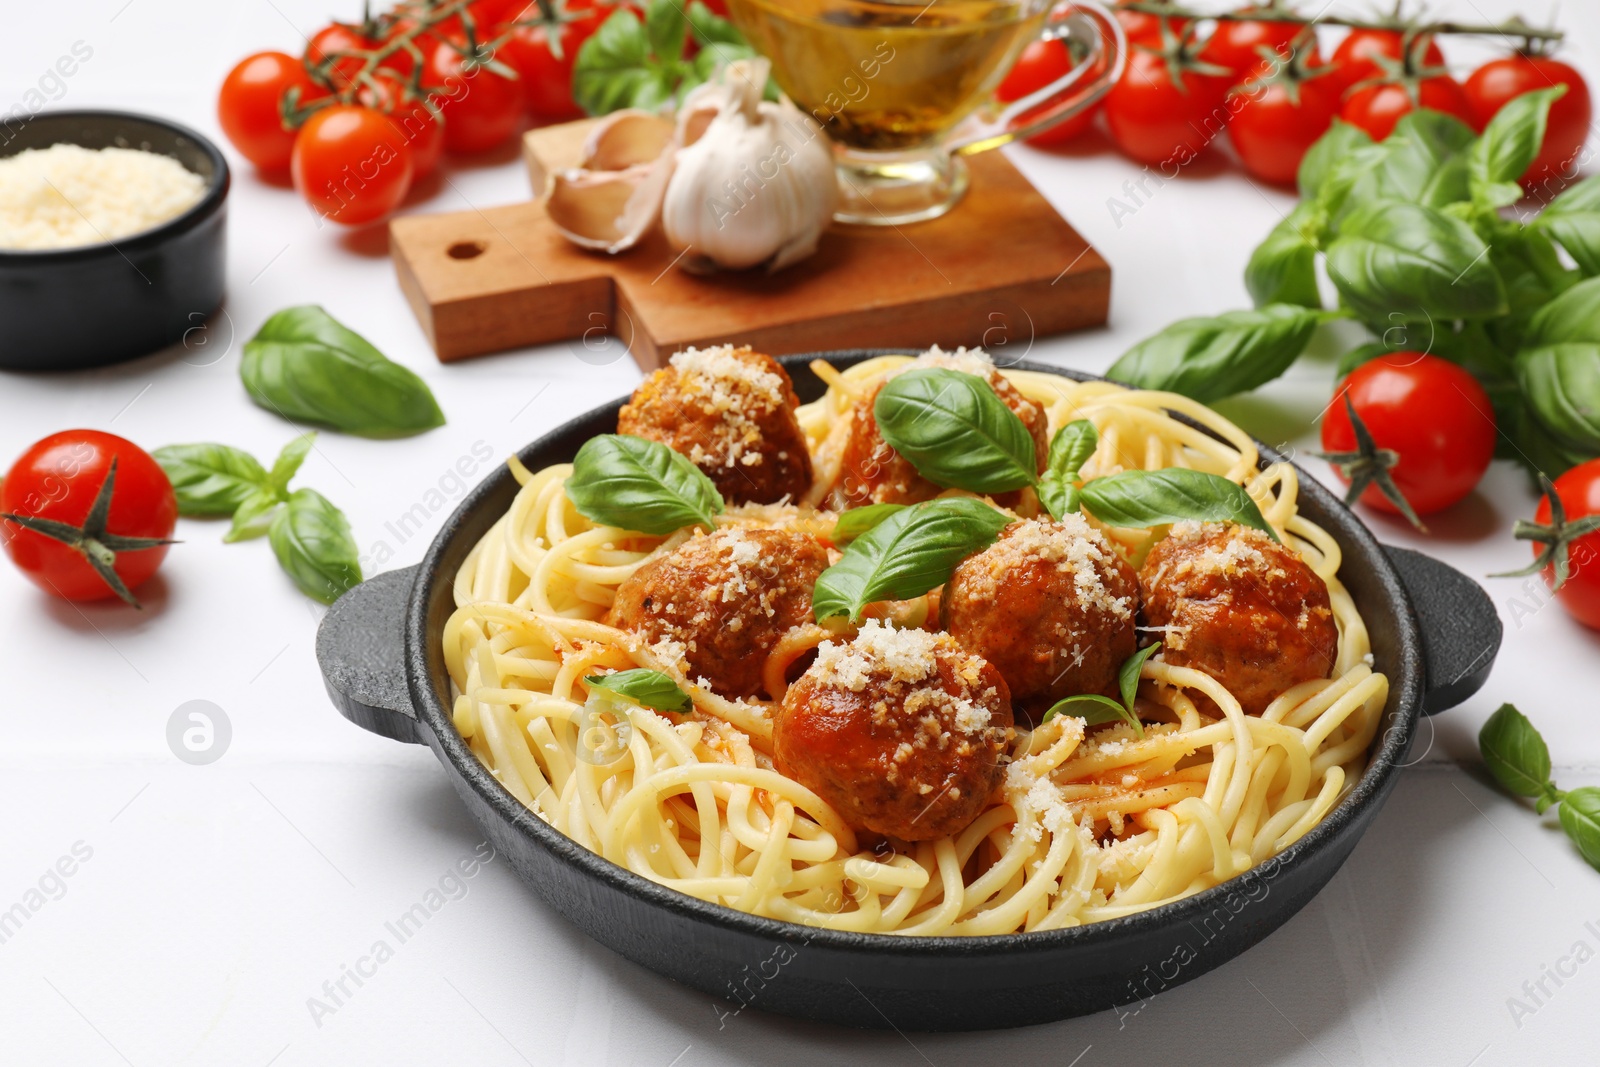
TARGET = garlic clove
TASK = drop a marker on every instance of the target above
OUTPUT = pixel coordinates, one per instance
(613, 198)
(607, 211)
(625, 139)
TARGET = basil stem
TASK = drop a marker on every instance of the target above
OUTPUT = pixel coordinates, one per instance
(636, 484)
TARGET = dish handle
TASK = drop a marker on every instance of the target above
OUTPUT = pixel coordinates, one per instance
(361, 651)
(1460, 628)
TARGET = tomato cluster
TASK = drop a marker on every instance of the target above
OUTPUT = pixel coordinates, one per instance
(369, 109)
(1267, 84)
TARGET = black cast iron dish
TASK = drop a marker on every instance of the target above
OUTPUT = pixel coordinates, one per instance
(1434, 632)
(96, 304)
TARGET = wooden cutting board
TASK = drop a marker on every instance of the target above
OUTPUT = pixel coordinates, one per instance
(999, 270)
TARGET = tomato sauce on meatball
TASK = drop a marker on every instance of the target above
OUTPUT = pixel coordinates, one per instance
(872, 472)
(719, 603)
(901, 731)
(1052, 605)
(732, 412)
(1241, 607)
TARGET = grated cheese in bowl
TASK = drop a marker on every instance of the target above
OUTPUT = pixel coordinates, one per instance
(68, 196)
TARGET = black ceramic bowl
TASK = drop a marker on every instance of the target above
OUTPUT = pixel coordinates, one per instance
(103, 303)
(1434, 632)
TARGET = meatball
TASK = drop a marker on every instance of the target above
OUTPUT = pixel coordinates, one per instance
(732, 412)
(871, 472)
(1051, 604)
(1240, 607)
(719, 603)
(901, 731)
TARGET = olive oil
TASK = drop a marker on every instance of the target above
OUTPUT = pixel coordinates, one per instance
(882, 76)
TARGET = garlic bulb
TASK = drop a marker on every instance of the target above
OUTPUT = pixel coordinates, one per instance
(753, 182)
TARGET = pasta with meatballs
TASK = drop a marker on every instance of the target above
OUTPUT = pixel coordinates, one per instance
(1071, 721)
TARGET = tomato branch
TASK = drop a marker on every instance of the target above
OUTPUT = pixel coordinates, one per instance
(1514, 27)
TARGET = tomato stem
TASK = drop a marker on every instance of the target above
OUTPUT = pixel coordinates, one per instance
(1370, 465)
(1513, 28)
(98, 546)
(1556, 537)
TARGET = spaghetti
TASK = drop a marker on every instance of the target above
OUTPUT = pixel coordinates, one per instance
(1086, 826)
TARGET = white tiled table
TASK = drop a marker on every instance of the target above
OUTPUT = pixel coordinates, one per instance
(216, 901)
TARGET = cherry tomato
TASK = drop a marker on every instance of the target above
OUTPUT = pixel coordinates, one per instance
(546, 77)
(336, 38)
(481, 109)
(1579, 490)
(1377, 107)
(1431, 412)
(1277, 120)
(1041, 63)
(1495, 83)
(1356, 58)
(248, 106)
(423, 134)
(1155, 121)
(1234, 44)
(59, 479)
(1138, 26)
(352, 164)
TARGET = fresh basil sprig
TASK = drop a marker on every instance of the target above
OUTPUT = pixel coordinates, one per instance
(634, 62)
(1509, 144)
(1558, 367)
(313, 543)
(650, 688)
(210, 480)
(857, 521)
(1520, 761)
(956, 431)
(310, 536)
(1071, 448)
(1283, 269)
(304, 365)
(637, 484)
(1095, 709)
(1399, 261)
(906, 554)
(1211, 358)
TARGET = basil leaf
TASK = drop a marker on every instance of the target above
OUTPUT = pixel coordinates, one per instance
(650, 688)
(1573, 219)
(1174, 494)
(857, 521)
(255, 515)
(956, 431)
(1211, 358)
(287, 465)
(304, 365)
(1559, 366)
(1394, 258)
(1282, 269)
(642, 485)
(1327, 155)
(1128, 676)
(312, 541)
(1509, 145)
(1580, 818)
(906, 554)
(1515, 752)
(666, 28)
(1092, 708)
(1424, 160)
(1531, 270)
(1074, 443)
(210, 479)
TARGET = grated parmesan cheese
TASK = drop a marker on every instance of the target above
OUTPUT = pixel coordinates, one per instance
(730, 383)
(67, 196)
(903, 659)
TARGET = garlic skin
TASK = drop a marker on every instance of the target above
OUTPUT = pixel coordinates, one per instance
(610, 201)
(754, 181)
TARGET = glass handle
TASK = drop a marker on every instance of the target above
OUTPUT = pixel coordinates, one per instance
(1100, 34)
